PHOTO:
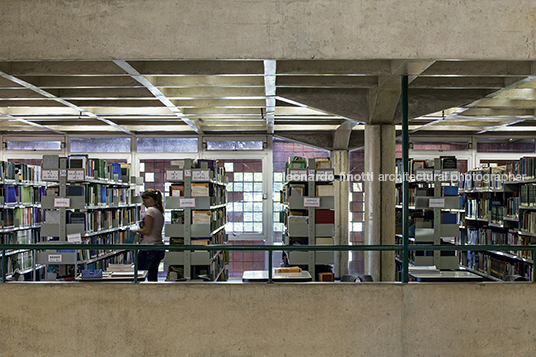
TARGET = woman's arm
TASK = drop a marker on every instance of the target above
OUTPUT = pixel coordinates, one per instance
(147, 227)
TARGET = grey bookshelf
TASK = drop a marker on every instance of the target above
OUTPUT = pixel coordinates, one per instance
(304, 228)
(186, 228)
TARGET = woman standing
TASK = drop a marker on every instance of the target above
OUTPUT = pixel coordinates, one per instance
(151, 232)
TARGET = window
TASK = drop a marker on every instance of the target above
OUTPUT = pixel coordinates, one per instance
(167, 145)
(235, 145)
(34, 145)
(100, 145)
(356, 221)
(245, 191)
(506, 145)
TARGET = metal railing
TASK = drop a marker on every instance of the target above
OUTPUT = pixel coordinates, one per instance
(404, 249)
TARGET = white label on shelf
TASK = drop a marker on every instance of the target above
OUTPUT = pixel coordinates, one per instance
(324, 175)
(311, 202)
(62, 202)
(50, 175)
(187, 173)
(424, 175)
(436, 203)
(187, 202)
(174, 175)
(54, 258)
(76, 175)
(74, 238)
(297, 175)
(200, 175)
(63, 173)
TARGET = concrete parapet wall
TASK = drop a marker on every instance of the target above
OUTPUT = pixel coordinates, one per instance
(271, 29)
(316, 319)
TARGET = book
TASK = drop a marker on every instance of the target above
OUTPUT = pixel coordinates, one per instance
(201, 217)
(200, 189)
(325, 190)
(176, 190)
(324, 241)
(177, 217)
(324, 216)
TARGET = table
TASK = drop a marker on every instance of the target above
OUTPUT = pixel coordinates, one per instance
(262, 276)
(443, 276)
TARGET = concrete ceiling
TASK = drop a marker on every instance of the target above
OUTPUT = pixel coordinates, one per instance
(322, 102)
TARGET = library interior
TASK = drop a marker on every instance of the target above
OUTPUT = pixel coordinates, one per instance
(344, 185)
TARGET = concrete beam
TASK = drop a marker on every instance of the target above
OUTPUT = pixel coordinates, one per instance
(348, 103)
(321, 140)
(259, 29)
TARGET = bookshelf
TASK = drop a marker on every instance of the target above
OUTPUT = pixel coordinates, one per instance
(87, 201)
(434, 209)
(20, 215)
(308, 213)
(500, 209)
(197, 199)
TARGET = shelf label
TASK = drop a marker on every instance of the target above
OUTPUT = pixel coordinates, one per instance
(187, 202)
(324, 175)
(50, 175)
(200, 175)
(187, 173)
(174, 175)
(424, 175)
(74, 238)
(63, 173)
(54, 258)
(62, 202)
(297, 175)
(76, 175)
(436, 203)
(311, 202)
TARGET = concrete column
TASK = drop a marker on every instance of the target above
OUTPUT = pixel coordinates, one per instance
(340, 161)
(379, 200)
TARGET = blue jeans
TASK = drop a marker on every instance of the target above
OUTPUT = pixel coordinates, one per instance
(149, 260)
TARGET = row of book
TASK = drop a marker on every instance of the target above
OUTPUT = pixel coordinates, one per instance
(301, 162)
(96, 220)
(300, 189)
(94, 193)
(20, 172)
(487, 178)
(93, 168)
(488, 236)
(217, 172)
(525, 167)
(446, 162)
(25, 236)
(527, 195)
(20, 217)
(199, 189)
(477, 208)
(527, 221)
(13, 194)
(497, 267)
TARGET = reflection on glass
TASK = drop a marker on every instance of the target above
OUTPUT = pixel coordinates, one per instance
(99, 144)
(33, 145)
(248, 176)
(167, 144)
(229, 167)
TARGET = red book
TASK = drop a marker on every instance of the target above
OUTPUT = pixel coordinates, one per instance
(323, 216)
